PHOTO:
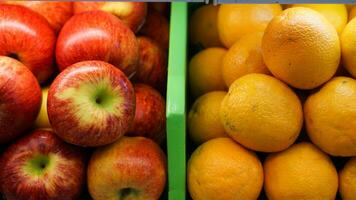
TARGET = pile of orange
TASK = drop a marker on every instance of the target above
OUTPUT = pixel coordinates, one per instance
(265, 72)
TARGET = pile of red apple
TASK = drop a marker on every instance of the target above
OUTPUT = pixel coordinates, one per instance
(102, 69)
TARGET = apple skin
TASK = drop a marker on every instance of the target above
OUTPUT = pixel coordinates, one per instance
(20, 97)
(133, 14)
(131, 165)
(97, 35)
(150, 116)
(26, 35)
(156, 27)
(152, 64)
(40, 166)
(56, 12)
(42, 120)
(91, 103)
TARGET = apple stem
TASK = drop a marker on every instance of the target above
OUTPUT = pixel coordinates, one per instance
(131, 75)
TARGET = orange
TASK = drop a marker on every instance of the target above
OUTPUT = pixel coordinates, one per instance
(301, 48)
(330, 116)
(244, 57)
(205, 71)
(336, 14)
(261, 113)
(236, 20)
(348, 47)
(203, 26)
(347, 180)
(203, 118)
(221, 169)
(302, 172)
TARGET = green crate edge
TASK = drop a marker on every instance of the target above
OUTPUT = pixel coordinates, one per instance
(176, 102)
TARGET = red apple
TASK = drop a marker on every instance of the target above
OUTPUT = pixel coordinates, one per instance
(130, 168)
(27, 36)
(56, 12)
(156, 27)
(150, 116)
(20, 98)
(152, 67)
(97, 35)
(41, 166)
(91, 103)
(161, 7)
(133, 14)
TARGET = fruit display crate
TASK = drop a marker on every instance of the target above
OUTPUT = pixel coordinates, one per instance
(175, 153)
(176, 102)
(178, 145)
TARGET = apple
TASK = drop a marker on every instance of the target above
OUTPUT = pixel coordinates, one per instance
(133, 14)
(130, 168)
(91, 103)
(20, 99)
(97, 35)
(42, 120)
(150, 116)
(41, 166)
(27, 37)
(56, 12)
(156, 27)
(152, 64)
(161, 7)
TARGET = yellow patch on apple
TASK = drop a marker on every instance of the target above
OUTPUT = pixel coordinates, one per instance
(118, 8)
(99, 96)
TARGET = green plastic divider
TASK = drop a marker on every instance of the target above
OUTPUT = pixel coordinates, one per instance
(176, 102)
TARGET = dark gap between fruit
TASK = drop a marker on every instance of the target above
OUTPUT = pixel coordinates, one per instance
(13, 55)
